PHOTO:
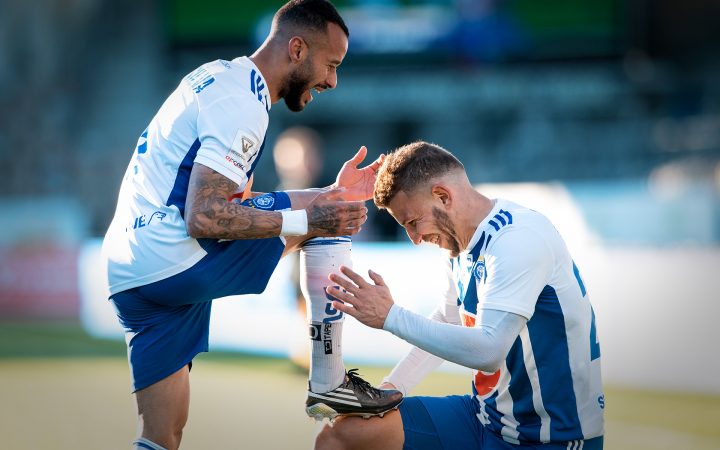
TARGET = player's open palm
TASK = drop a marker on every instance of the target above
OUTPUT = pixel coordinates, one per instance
(369, 303)
(329, 215)
(358, 183)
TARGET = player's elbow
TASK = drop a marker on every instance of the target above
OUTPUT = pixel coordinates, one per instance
(487, 357)
(490, 365)
(196, 226)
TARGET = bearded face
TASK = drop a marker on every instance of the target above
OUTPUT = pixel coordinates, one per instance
(448, 236)
(299, 82)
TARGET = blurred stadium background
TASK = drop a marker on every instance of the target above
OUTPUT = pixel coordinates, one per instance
(604, 115)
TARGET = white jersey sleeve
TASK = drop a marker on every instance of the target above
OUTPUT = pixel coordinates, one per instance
(231, 132)
(231, 125)
(517, 270)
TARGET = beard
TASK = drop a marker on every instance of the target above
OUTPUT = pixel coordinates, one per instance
(447, 230)
(297, 83)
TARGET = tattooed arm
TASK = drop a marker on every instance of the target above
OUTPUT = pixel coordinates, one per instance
(208, 213)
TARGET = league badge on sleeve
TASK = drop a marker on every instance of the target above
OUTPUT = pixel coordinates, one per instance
(479, 269)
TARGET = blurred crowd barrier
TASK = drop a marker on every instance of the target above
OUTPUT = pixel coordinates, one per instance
(39, 249)
(655, 305)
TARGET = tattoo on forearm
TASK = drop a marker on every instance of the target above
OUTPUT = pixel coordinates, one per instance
(215, 217)
(323, 218)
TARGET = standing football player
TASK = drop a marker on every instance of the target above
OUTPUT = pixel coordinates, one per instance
(187, 228)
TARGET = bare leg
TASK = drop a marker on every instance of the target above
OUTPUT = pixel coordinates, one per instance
(355, 433)
(163, 409)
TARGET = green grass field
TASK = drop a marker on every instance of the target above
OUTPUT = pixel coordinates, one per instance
(60, 389)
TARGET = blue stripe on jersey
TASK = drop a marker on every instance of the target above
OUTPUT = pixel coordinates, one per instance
(522, 395)
(549, 343)
(507, 214)
(576, 271)
(480, 243)
(257, 158)
(494, 225)
(178, 194)
(594, 342)
(471, 289)
(500, 219)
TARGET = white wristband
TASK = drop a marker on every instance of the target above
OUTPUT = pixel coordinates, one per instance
(294, 223)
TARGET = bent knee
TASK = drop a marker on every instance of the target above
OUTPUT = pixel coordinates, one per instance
(330, 438)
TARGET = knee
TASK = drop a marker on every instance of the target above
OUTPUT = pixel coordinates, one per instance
(330, 438)
(167, 434)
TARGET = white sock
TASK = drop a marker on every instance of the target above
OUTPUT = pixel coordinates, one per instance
(146, 444)
(319, 257)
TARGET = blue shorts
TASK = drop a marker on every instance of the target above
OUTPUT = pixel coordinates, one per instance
(167, 322)
(449, 423)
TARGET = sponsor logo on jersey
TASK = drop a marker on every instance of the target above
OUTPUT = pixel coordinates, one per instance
(233, 161)
(242, 151)
(247, 144)
(143, 220)
(485, 382)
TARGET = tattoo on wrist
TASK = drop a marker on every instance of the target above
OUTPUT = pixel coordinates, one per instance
(323, 218)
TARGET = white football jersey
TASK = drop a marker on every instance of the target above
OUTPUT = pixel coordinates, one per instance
(549, 386)
(217, 117)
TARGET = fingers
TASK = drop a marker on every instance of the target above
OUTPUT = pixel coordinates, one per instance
(341, 294)
(353, 276)
(359, 156)
(377, 163)
(377, 279)
(344, 307)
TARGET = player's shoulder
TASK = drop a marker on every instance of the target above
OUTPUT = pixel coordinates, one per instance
(511, 225)
(238, 80)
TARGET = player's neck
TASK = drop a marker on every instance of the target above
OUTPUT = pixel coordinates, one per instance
(263, 59)
(477, 209)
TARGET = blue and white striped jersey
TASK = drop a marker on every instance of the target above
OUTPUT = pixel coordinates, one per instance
(549, 386)
(217, 117)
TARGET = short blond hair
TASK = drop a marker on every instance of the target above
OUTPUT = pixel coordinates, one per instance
(411, 166)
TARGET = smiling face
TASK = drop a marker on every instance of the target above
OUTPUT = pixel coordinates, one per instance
(425, 218)
(316, 67)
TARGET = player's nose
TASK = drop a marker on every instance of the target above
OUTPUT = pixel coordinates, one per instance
(331, 80)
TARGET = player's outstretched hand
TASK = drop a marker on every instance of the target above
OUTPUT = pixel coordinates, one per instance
(358, 183)
(329, 215)
(369, 303)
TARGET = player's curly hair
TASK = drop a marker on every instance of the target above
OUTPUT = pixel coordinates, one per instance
(314, 15)
(409, 167)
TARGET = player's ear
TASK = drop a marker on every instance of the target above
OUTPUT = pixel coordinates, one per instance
(297, 49)
(441, 193)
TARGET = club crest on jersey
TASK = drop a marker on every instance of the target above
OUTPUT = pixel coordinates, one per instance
(264, 201)
(479, 269)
